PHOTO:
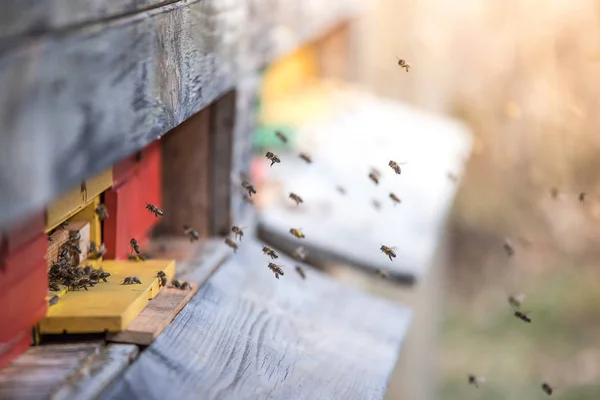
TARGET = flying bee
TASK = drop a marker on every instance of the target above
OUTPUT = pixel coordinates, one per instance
(296, 233)
(475, 380)
(547, 388)
(96, 253)
(248, 200)
(154, 210)
(102, 212)
(270, 252)
(554, 193)
(396, 166)
(388, 251)
(296, 198)
(452, 177)
(582, 197)
(249, 187)
(382, 273)
(305, 157)
(55, 287)
(162, 278)
(238, 232)
(281, 136)
(341, 190)
(299, 253)
(130, 280)
(276, 269)
(508, 248)
(376, 204)
(192, 233)
(403, 64)
(395, 199)
(300, 272)
(175, 284)
(274, 159)
(374, 175)
(231, 244)
(516, 300)
(523, 316)
(134, 246)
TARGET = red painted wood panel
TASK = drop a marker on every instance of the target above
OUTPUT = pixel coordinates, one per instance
(150, 176)
(14, 348)
(22, 233)
(125, 169)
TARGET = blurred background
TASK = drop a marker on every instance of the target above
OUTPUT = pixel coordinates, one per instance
(525, 77)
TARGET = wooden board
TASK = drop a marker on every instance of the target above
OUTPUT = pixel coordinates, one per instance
(247, 335)
(159, 313)
(88, 214)
(107, 306)
(41, 370)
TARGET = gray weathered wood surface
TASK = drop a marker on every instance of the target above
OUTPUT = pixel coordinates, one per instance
(99, 80)
(247, 335)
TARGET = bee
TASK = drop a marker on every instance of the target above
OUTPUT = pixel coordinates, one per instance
(475, 380)
(554, 193)
(92, 248)
(296, 198)
(83, 189)
(175, 284)
(238, 232)
(274, 159)
(300, 272)
(134, 246)
(55, 287)
(231, 244)
(130, 280)
(74, 247)
(341, 190)
(508, 248)
(63, 225)
(103, 275)
(388, 251)
(296, 233)
(96, 253)
(582, 197)
(53, 300)
(374, 175)
(249, 187)
(523, 316)
(547, 388)
(102, 212)
(81, 283)
(154, 210)
(395, 199)
(305, 157)
(87, 269)
(396, 166)
(248, 200)
(270, 252)
(281, 137)
(383, 274)
(376, 204)
(186, 286)
(162, 278)
(516, 300)
(192, 233)
(403, 64)
(299, 253)
(276, 269)
(74, 236)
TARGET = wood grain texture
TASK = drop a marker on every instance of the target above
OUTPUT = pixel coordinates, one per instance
(96, 372)
(40, 370)
(247, 335)
(159, 313)
(186, 176)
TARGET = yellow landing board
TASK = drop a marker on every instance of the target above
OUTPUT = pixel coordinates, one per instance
(107, 307)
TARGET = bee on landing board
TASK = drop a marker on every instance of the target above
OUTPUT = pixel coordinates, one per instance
(175, 284)
(231, 244)
(305, 157)
(297, 233)
(296, 198)
(238, 232)
(374, 175)
(249, 187)
(154, 210)
(270, 252)
(192, 233)
(102, 212)
(299, 253)
(547, 388)
(395, 199)
(185, 285)
(281, 137)
(475, 380)
(300, 272)
(162, 279)
(131, 280)
(388, 251)
(396, 166)
(403, 64)
(274, 159)
(276, 269)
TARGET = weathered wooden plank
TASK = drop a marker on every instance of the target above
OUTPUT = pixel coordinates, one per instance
(159, 313)
(41, 370)
(80, 101)
(97, 372)
(247, 335)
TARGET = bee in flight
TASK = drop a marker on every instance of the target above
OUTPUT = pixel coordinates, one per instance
(396, 166)
(554, 193)
(305, 157)
(274, 159)
(231, 244)
(135, 246)
(296, 233)
(154, 210)
(395, 199)
(475, 380)
(249, 187)
(341, 190)
(382, 273)
(388, 251)
(403, 64)
(130, 280)
(516, 300)
(523, 316)
(296, 198)
(452, 177)
(374, 175)
(270, 252)
(508, 248)
(192, 233)
(102, 212)
(547, 388)
(300, 272)
(376, 204)
(299, 253)
(276, 269)
(281, 137)
(238, 232)
(582, 197)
